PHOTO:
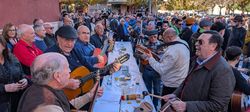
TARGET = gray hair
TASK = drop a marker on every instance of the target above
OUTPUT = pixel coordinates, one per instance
(45, 65)
(22, 29)
(80, 27)
(38, 28)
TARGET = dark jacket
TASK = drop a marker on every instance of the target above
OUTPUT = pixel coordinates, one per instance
(10, 72)
(97, 41)
(186, 35)
(50, 40)
(237, 37)
(241, 82)
(208, 87)
(42, 95)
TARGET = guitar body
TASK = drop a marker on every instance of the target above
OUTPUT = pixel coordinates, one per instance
(77, 74)
(239, 102)
(97, 52)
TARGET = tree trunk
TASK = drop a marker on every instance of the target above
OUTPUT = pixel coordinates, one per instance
(220, 10)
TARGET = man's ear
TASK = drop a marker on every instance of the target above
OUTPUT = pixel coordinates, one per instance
(214, 46)
(56, 76)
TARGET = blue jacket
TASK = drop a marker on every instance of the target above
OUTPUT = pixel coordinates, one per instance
(75, 59)
(87, 50)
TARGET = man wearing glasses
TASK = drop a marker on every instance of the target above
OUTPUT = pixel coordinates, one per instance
(210, 81)
(50, 38)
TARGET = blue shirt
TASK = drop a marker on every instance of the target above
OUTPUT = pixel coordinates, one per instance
(40, 44)
(86, 49)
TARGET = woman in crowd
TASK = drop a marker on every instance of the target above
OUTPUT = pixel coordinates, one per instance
(10, 35)
(12, 81)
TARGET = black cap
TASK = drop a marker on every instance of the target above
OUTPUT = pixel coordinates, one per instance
(67, 32)
(151, 32)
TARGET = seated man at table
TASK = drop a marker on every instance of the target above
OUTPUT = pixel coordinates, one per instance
(25, 50)
(66, 38)
(50, 74)
(85, 48)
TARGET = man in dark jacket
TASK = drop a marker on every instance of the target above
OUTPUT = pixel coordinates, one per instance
(238, 33)
(210, 81)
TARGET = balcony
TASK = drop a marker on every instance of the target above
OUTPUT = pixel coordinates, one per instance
(117, 1)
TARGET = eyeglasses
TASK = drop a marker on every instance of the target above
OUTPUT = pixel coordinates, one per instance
(12, 30)
(50, 28)
(85, 33)
(199, 41)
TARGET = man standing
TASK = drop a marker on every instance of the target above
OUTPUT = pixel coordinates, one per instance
(25, 49)
(151, 78)
(50, 74)
(238, 33)
(210, 81)
(174, 63)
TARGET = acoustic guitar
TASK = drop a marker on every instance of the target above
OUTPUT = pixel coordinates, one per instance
(106, 47)
(84, 75)
(142, 49)
(239, 101)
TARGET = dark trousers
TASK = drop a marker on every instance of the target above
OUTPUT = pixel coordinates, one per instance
(165, 91)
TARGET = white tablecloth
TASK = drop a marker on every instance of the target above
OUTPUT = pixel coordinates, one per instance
(113, 89)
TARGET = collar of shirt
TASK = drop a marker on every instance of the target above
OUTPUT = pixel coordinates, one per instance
(200, 62)
(38, 38)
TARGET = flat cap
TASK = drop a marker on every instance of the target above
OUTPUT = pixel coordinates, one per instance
(151, 32)
(67, 32)
(205, 23)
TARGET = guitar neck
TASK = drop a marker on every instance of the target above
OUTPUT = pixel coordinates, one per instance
(93, 74)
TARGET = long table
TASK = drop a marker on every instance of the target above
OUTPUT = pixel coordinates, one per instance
(114, 88)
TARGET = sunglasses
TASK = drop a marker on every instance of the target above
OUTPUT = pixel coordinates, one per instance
(199, 41)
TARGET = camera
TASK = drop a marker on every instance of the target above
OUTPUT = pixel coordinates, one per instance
(105, 14)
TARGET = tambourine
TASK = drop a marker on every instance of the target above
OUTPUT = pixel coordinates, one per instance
(167, 107)
(144, 107)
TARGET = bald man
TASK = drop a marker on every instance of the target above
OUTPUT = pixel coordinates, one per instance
(174, 63)
(25, 49)
(50, 74)
(85, 48)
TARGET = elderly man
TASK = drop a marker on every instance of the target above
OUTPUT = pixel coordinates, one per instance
(39, 38)
(50, 38)
(174, 63)
(25, 49)
(83, 45)
(150, 76)
(66, 38)
(210, 81)
(98, 38)
(50, 74)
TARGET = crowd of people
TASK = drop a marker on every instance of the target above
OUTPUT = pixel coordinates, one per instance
(198, 59)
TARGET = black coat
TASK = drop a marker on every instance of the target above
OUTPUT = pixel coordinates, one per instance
(10, 72)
